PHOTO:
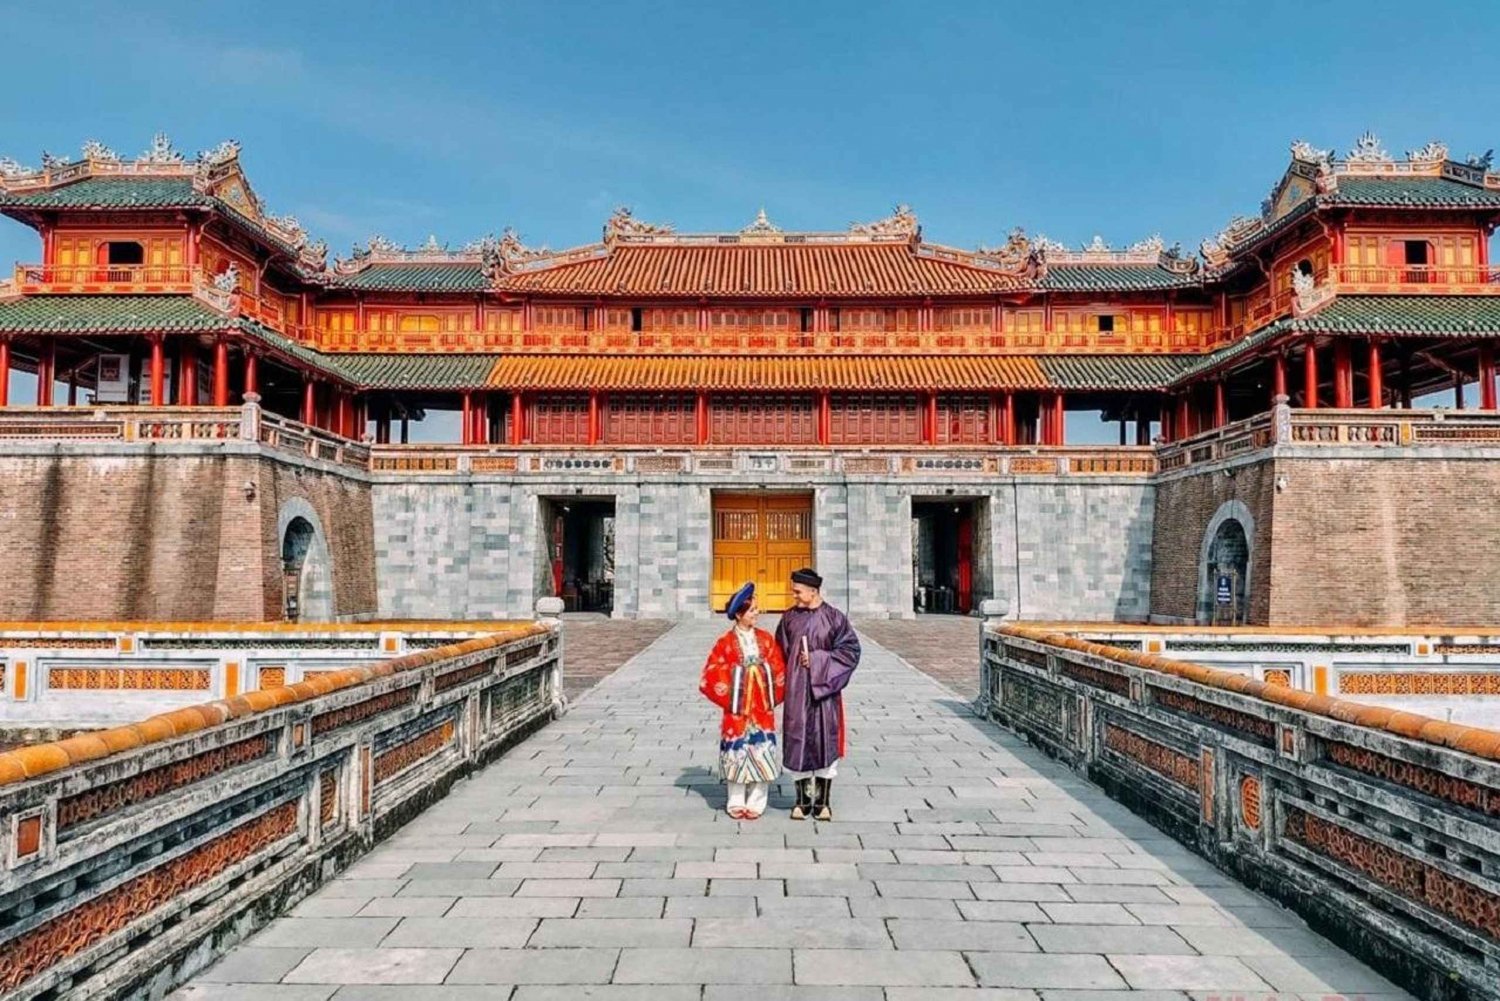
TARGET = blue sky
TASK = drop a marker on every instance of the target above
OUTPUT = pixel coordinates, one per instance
(1070, 119)
(1122, 119)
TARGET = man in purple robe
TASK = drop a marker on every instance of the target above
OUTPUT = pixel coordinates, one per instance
(821, 653)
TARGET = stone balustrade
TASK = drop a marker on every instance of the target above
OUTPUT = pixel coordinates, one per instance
(1282, 426)
(1378, 826)
(131, 857)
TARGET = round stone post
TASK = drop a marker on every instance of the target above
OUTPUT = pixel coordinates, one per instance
(547, 612)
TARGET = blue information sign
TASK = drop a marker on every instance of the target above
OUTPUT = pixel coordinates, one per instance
(1224, 591)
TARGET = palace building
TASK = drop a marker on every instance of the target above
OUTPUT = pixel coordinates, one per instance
(648, 420)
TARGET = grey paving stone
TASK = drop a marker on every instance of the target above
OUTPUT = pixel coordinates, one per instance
(1039, 970)
(785, 992)
(712, 907)
(606, 992)
(204, 991)
(959, 994)
(535, 966)
(402, 907)
(254, 965)
(785, 933)
(905, 907)
(803, 908)
(704, 966)
(1331, 973)
(963, 936)
(374, 966)
(513, 907)
(460, 888)
(905, 968)
(1133, 939)
(310, 933)
(569, 888)
(419, 992)
(1090, 914)
(450, 870)
(605, 933)
(619, 907)
(320, 906)
(461, 932)
(1217, 973)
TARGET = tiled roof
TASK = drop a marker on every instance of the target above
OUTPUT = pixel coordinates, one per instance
(1416, 192)
(1431, 316)
(111, 192)
(1407, 315)
(82, 314)
(780, 269)
(329, 365)
(393, 371)
(1113, 277)
(1112, 371)
(456, 277)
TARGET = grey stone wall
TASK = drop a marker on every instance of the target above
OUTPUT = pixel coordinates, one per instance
(1054, 547)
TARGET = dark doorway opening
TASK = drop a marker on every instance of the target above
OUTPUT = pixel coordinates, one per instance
(943, 555)
(581, 550)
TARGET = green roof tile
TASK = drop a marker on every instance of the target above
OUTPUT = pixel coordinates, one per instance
(1416, 192)
(456, 277)
(1119, 277)
(389, 371)
(1112, 371)
(80, 314)
(1425, 316)
(111, 192)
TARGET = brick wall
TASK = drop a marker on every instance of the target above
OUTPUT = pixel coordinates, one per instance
(1185, 505)
(96, 534)
(1388, 541)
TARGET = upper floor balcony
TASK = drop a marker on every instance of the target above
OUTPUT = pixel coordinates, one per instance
(92, 279)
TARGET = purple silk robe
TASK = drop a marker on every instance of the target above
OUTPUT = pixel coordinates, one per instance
(813, 713)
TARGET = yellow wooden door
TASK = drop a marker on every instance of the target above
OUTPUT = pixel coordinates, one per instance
(762, 538)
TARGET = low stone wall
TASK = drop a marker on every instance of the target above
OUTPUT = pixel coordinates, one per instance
(1377, 826)
(133, 857)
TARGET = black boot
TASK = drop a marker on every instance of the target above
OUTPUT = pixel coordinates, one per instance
(804, 804)
(823, 800)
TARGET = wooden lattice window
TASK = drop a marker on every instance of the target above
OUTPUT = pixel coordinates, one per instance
(558, 419)
(874, 419)
(763, 419)
(964, 420)
(649, 419)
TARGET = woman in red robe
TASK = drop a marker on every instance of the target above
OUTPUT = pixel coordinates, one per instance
(746, 677)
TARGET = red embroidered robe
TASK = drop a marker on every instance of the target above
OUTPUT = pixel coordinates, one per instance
(717, 683)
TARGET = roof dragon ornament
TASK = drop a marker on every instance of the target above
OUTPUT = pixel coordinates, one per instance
(622, 222)
(902, 222)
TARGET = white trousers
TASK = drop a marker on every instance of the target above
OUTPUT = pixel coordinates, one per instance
(749, 796)
(822, 773)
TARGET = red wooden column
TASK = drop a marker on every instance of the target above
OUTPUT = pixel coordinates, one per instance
(1487, 399)
(1278, 376)
(309, 401)
(1377, 378)
(1310, 377)
(466, 422)
(929, 419)
(1182, 426)
(158, 372)
(825, 419)
(1343, 375)
(517, 419)
(252, 373)
(1166, 419)
(221, 373)
(4, 371)
(187, 381)
(1059, 421)
(593, 418)
(1221, 405)
(46, 370)
(700, 419)
(1008, 419)
(1458, 391)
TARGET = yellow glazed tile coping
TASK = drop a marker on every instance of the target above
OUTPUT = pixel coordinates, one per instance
(1468, 739)
(30, 762)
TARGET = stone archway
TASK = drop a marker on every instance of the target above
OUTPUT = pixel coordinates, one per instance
(306, 567)
(1226, 550)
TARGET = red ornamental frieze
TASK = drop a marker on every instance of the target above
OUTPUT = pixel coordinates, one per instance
(1025, 656)
(403, 756)
(1107, 681)
(33, 953)
(1262, 730)
(1459, 792)
(521, 656)
(1415, 880)
(1169, 764)
(85, 806)
(328, 798)
(129, 678)
(348, 715)
(453, 679)
(1250, 810)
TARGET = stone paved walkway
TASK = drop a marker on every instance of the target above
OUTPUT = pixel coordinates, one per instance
(594, 861)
